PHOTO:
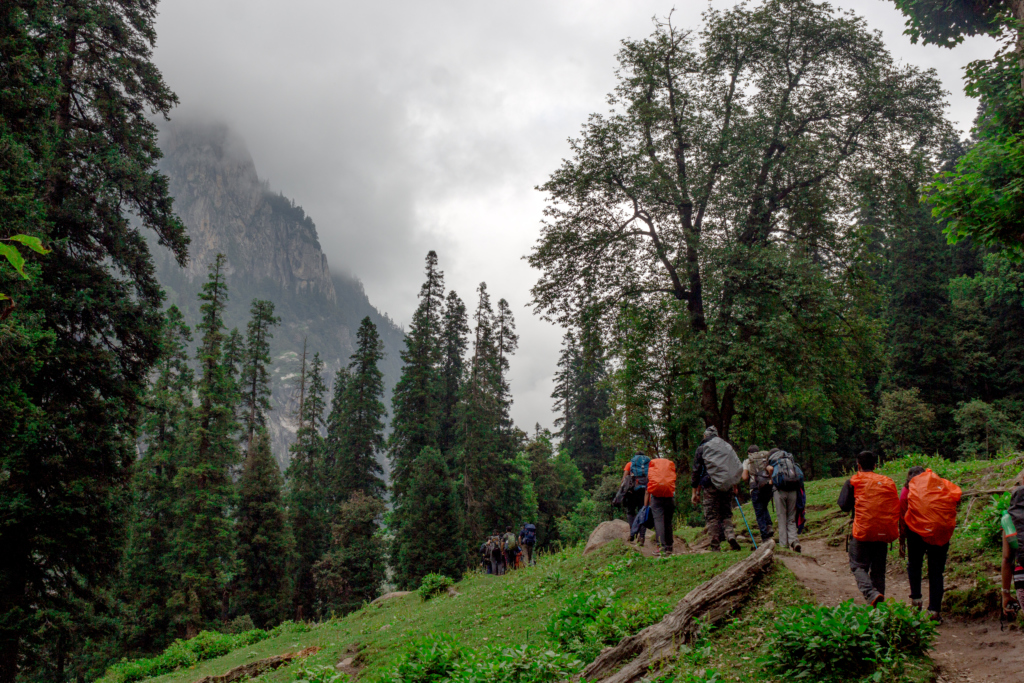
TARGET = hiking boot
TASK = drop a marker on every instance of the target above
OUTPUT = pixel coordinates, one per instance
(935, 616)
(641, 541)
(714, 548)
(734, 544)
(878, 600)
(795, 546)
(631, 538)
(917, 604)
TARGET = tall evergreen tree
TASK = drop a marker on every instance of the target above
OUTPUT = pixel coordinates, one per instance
(415, 406)
(507, 341)
(255, 378)
(203, 556)
(454, 343)
(307, 489)
(334, 442)
(429, 540)
(265, 543)
(352, 572)
(590, 396)
(80, 152)
(164, 434)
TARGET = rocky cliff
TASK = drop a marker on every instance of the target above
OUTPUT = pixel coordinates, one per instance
(272, 253)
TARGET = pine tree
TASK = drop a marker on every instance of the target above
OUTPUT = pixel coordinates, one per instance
(591, 399)
(79, 170)
(307, 488)
(203, 556)
(352, 572)
(265, 543)
(454, 342)
(334, 442)
(164, 434)
(361, 435)
(429, 539)
(507, 342)
(255, 379)
(415, 405)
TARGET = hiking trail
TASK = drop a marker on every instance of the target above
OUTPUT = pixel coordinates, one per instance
(965, 651)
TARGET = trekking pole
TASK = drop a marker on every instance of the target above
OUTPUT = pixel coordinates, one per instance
(745, 523)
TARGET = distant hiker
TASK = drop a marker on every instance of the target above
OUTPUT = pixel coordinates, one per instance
(1013, 554)
(497, 557)
(717, 471)
(510, 547)
(528, 539)
(876, 523)
(787, 483)
(928, 506)
(485, 557)
(755, 472)
(661, 496)
(634, 489)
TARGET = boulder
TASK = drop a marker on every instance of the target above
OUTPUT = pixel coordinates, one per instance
(388, 596)
(605, 532)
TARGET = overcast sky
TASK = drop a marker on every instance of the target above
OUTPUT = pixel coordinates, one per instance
(411, 125)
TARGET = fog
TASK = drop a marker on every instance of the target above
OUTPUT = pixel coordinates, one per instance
(406, 126)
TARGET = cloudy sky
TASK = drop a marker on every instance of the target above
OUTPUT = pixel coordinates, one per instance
(408, 125)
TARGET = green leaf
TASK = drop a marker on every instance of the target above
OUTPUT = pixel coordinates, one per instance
(16, 259)
(32, 243)
(4, 297)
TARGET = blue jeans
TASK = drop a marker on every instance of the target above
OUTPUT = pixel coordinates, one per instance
(760, 499)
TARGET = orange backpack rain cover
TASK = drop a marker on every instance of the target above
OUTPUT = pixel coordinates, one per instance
(931, 507)
(876, 513)
(661, 478)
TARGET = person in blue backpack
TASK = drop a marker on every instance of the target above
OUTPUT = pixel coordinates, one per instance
(787, 483)
(634, 481)
(528, 540)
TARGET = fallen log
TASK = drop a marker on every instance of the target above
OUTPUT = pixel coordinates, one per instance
(262, 666)
(711, 601)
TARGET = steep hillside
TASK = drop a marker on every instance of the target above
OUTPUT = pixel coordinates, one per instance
(272, 253)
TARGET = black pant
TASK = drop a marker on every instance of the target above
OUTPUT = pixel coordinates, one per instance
(867, 562)
(760, 499)
(634, 501)
(917, 548)
(663, 508)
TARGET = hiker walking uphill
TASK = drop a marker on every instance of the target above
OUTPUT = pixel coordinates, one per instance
(1012, 571)
(716, 474)
(633, 491)
(510, 547)
(788, 491)
(528, 541)
(661, 497)
(876, 523)
(928, 506)
(755, 472)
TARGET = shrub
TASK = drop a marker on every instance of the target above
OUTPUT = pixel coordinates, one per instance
(434, 584)
(440, 659)
(988, 529)
(834, 644)
(590, 621)
(577, 526)
(318, 674)
(181, 654)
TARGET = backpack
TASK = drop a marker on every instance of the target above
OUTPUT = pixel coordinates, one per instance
(876, 512)
(758, 469)
(643, 520)
(1016, 514)
(786, 474)
(661, 479)
(638, 466)
(722, 464)
(931, 507)
(530, 535)
(510, 541)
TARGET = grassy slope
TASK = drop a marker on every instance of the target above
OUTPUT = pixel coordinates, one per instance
(514, 610)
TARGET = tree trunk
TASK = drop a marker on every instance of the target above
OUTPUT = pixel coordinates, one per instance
(711, 601)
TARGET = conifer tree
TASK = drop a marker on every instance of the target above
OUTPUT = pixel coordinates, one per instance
(429, 540)
(334, 442)
(307, 490)
(361, 431)
(164, 434)
(507, 342)
(255, 378)
(203, 556)
(415, 405)
(454, 342)
(352, 572)
(265, 543)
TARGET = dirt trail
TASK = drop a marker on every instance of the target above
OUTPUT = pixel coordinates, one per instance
(966, 652)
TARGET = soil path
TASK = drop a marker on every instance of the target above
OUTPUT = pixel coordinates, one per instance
(966, 652)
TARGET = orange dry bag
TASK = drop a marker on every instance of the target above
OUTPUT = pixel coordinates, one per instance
(876, 513)
(661, 478)
(931, 507)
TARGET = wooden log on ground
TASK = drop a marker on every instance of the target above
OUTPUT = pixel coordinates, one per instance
(710, 601)
(262, 666)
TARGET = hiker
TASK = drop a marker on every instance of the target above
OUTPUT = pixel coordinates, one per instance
(755, 472)
(1012, 522)
(928, 506)
(497, 560)
(485, 557)
(510, 547)
(634, 490)
(876, 523)
(661, 496)
(715, 477)
(787, 483)
(528, 539)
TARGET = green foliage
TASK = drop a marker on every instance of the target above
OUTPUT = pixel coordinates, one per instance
(985, 430)
(182, 654)
(988, 529)
(352, 571)
(577, 525)
(14, 257)
(904, 421)
(432, 585)
(833, 644)
(588, 622)
(318, 674)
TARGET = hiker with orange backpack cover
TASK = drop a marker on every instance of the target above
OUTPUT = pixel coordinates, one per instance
(928, 506)
(661, 496)
(875, 505)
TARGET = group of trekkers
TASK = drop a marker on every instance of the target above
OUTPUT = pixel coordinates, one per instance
(510, 550)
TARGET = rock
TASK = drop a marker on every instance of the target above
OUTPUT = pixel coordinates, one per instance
(388, 596)
(605, 533)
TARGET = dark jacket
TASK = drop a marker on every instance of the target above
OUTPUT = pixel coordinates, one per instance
(846, 500)
(699, 474)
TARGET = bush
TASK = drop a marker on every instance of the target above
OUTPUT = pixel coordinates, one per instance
(181, 654)
(434, 584)
(836, 644)
(318, 674)
(989, 530)
(576, 527)
(590, 621)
